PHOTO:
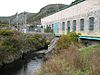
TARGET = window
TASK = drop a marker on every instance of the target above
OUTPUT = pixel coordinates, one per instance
(74, 25)
(63, 26)
(68, 26)
(52, 26)
(91, 23)
(81, 24)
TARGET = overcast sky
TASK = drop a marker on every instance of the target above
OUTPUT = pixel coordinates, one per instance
(10, 7)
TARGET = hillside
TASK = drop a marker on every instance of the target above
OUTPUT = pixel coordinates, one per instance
(34, 18)
(45, 11)
(50, 9)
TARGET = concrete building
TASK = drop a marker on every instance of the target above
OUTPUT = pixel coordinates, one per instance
(82, 18)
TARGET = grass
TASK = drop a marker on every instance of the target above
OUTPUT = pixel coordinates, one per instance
(86, 51)
(75, 59)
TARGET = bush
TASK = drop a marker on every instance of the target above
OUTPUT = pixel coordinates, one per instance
(66, 40)
(37, 41)
(48, 29)
(63, 42)
(6, 32)
(73, 37)
(13, 44)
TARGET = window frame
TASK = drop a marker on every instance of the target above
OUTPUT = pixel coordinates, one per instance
(82, 22)
(68, 26)
(63, 26)
(91, 23)
(74, 25)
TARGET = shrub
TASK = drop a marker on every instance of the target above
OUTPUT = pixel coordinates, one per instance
(66, 40)
(63, 42)
(73, 37)
(13, 44)
(37, 41)
(48, 29)
(6, 32)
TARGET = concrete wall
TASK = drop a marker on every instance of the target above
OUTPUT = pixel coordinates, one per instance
(86, 9)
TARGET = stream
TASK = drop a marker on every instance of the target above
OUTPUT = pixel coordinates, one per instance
(27, 66)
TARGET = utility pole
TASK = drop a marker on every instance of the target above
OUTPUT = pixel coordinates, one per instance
(25, 18)
(9, 23)
(17, 21)
(25, 21)
(46, 11)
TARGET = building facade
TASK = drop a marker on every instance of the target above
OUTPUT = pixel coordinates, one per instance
(82, 18)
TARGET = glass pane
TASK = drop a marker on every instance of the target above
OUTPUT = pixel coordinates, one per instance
(81, 24)
(68, 26)
(91, 23)
(63, 26)
(74, 25)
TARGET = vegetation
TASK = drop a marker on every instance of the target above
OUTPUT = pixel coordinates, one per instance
(76, 2)
(47, 30)
(66, 40)
(75, 59)
(13, 44)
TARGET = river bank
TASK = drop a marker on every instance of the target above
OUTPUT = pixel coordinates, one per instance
(15, 45)
(25, 66)
(72, 57)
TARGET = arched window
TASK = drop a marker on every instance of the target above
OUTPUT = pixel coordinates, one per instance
(81, 24)
(68, 26)
(63, 26)
(91, 23)
(74, 25)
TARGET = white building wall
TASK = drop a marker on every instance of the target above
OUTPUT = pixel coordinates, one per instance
(86, 9)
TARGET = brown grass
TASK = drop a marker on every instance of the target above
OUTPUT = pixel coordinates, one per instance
(73, 57)
(70, 62)
(53, 67)
(61, 63)
(95, 62)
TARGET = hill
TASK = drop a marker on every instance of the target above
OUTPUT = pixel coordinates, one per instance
(45, 11)
(35, 18)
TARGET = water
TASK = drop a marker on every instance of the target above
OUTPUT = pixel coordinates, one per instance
(22, 67)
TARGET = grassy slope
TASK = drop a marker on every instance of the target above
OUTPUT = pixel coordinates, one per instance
(73, 61)
(60, 64)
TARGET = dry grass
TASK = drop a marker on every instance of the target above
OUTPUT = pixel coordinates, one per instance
(73, 57)
(95, 62)
(54, 66)
(61, 63)
(71, 60)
